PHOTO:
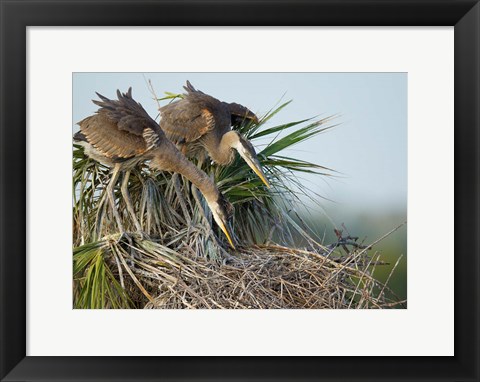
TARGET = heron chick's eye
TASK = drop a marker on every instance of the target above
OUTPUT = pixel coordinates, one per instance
(248, 147)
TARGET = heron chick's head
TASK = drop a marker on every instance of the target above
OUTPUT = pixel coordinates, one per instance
(247, 152)
(222, 211)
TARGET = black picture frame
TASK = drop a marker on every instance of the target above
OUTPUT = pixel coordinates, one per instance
(16, 15)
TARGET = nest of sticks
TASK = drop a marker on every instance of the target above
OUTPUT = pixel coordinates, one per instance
(154, 276)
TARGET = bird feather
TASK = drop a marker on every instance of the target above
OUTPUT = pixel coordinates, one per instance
(190, 118)
(117, 129)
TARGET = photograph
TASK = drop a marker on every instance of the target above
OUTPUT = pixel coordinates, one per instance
(239, 190)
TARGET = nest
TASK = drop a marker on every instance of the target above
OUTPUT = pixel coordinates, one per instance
(257, 277)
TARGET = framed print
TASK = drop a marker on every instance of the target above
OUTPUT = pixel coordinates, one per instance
(185, 249)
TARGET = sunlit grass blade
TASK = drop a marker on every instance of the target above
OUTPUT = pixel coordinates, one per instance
(170, 96)
(295, 137)
(278, 128)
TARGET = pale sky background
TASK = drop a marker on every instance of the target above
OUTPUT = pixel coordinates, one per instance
(368, 148)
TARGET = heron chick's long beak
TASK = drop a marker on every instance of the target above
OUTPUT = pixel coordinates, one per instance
(228, 234)
(255, 165)
(222, 212)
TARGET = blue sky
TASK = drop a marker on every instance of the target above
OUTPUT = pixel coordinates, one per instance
(368, 148)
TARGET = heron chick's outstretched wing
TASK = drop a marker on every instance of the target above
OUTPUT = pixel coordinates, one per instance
(188, 119)
(121, 128)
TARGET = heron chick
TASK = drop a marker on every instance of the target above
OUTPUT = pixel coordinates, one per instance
(121, 135)
(201, 125)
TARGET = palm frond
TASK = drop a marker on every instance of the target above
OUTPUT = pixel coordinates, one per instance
(95, 285)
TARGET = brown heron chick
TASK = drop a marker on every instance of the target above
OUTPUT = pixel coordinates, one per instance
(121, 134)
(201, 125)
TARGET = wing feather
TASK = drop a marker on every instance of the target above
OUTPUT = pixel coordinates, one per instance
(185, 121)
(128, 114)
(118, 128)
(111, 142)
(190, 89)
(190, 118)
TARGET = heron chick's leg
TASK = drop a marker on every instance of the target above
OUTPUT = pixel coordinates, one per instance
(128, 202)
(111, 197)
(202, 157)
(181, 199)
(99, 215)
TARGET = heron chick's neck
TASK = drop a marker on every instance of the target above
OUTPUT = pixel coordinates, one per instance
(223, 152)
(168, 158)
